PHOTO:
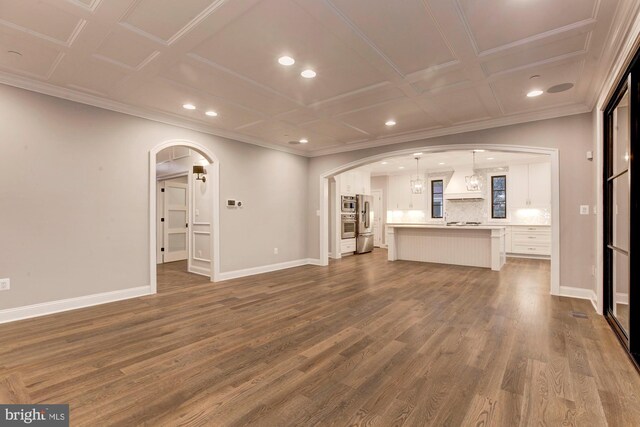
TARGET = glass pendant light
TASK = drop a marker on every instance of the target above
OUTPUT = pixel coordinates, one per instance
(473, 181)
(417, 185)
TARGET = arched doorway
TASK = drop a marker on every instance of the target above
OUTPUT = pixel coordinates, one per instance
(555, 192)
(210, 229)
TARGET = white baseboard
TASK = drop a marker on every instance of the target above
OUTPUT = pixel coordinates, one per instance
(42, 309)
(314, 261)
(622, 298)
(581, 293)
(200, 270)
(227, 275)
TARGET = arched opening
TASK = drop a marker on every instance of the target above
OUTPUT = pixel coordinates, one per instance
(184, 193)
(328, 199)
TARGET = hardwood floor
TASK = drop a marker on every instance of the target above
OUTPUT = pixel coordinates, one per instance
(361, 342)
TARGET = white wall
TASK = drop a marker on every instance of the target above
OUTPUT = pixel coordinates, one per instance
(74, 199)
(572, 136)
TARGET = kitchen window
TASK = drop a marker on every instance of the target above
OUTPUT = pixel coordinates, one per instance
(437, 198)
(499, 197)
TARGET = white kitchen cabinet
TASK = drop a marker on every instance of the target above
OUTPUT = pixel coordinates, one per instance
(530, 240)
(507, 239)
(347, 246)
(354, 182)
(400, 196)
(540, 185)
(529, 186)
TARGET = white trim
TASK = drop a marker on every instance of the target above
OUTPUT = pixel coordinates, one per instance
(555, 193)
(51, 307)
(214, 164)
(314, 261)
(145, 113)
(82, 97)
(622, 298)
(626, 47)
(193, 248)
(452, 130)
(581, 293)
(227, 275)
(200, 270)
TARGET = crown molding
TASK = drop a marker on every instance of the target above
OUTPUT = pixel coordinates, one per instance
(100, 102)
(567, 110)
(107, 104)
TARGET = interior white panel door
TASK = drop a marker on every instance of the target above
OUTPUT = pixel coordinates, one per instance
(176, 202)
(159, 223)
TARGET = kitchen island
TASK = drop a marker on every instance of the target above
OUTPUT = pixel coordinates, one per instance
(476, 246)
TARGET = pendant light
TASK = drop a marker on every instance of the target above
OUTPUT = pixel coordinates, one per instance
(473, 181)
(417, 185)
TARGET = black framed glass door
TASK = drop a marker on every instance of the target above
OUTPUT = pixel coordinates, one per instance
(621, 299)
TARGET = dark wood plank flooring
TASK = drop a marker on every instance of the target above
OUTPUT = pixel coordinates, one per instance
(361, 342)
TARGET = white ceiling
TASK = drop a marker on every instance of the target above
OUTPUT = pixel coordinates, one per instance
(450, 160)
(433, 66)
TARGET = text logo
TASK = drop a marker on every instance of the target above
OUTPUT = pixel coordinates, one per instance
(34, 415)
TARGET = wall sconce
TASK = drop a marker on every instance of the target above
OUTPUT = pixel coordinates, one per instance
(201, 172)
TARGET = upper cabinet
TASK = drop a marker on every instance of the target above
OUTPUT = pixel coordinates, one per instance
(529, 185)
(400, 197)
(354, 182)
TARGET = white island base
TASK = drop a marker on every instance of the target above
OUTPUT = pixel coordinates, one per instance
(475, 246)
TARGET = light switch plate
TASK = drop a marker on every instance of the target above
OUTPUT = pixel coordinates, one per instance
(5, 284)
(584, 209)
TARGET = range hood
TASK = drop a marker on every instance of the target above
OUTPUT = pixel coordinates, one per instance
(457, 187)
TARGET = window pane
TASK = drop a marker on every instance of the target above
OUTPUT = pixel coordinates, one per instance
(620, 212)
(436, 198)
(499, 196)
(499, 211)
(621, 288)
(621, 128)
(499, 182)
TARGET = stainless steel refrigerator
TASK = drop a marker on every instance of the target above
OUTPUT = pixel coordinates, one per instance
(364, 229)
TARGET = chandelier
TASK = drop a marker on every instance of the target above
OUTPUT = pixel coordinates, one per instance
(417, 185)
(473, 181)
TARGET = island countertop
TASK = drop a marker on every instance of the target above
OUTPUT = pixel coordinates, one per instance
(470, 245)
(447, 227)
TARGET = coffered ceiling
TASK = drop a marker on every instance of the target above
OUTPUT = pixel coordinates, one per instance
(432, 66)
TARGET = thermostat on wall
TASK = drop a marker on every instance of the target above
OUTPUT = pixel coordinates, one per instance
(232, 203)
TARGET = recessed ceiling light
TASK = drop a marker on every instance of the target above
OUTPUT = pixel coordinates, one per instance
(479, 151)
(441, 163)
(390, 123)
(383, 163)
(211, 113)
(534, 93)
(286, 60)
(189, 106)
(417, 154)
(490, 158)
(400, 167)
(308, 74)
(304, 141)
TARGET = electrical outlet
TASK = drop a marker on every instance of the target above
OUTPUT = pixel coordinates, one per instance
(5, 284)
(584, 209)
(275, 251)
